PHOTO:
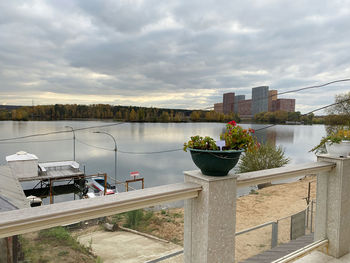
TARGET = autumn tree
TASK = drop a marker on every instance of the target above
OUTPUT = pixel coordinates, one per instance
(195, 116)
(340, 112)
(133, 115)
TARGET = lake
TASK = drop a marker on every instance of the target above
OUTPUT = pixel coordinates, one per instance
(135, 141)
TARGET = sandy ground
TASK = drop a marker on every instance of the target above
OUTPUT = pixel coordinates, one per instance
(126, 247)
(268, 204)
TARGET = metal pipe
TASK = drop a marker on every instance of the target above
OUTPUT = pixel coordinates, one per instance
(105, 186)
(254, 228)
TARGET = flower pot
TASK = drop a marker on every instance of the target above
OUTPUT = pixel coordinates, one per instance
(215, 163)
(338, 149)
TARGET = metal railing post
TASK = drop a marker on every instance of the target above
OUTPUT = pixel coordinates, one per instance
(312, 213)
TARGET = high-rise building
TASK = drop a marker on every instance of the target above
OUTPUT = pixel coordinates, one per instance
(228, 102)
(284, 105)
(218, 107)
(237, 99)
(272, 98)
(260, 99)
(245, 108)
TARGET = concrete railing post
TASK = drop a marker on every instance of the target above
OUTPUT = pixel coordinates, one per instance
(333, 206)
(210, 220)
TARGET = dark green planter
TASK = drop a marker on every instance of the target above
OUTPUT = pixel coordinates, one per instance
(215, 163)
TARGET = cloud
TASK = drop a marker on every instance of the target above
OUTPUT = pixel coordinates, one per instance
(181, 54)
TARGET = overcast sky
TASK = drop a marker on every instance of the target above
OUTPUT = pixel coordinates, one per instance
(178, 54)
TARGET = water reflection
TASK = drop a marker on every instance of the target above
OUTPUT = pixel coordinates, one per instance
(96, 152)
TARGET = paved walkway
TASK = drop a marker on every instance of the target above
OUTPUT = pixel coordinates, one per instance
(126, 247)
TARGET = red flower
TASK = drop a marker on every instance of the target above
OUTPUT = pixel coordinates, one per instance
(233, 123)
(251, 130)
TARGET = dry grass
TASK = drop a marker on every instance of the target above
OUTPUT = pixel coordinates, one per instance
(54, 247)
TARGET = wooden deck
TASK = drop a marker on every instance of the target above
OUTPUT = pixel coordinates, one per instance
(54, 175)
(281, 250)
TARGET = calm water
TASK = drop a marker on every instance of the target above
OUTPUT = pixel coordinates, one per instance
(95, 151)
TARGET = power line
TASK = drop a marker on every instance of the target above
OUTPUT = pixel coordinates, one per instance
(164, 151)
(318, 109)
(58, 140)
(256, 130)
(58, 132)
(295, 90)
(94, 146)
(114, 124)
(315, 86)
(99, 126)
(126, 152)
(156, 152)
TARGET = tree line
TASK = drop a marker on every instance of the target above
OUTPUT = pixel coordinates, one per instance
(283, 117)
(106, 111)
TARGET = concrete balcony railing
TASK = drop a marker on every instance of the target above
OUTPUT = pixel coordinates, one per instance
(210, 208)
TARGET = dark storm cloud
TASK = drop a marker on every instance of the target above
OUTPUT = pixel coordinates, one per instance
(170, 53)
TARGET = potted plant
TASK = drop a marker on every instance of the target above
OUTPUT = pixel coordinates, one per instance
(337, 143)
(218, 161)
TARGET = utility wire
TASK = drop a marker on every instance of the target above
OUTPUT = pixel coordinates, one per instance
(174, 150)
(58, 140)
(58, 132)
(114, 124)
(318, 109)
(125, 152)
(165, 151)
(94, 146)
(295, 90)
(256, 130)
(314, 87)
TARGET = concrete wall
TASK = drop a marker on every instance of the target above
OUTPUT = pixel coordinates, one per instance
(260, 101)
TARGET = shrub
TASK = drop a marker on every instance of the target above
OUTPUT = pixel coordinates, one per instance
(266, 156)
(133, 218)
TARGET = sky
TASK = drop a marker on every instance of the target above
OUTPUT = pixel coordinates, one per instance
(171, 54)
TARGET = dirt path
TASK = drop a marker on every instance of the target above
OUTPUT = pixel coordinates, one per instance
(126, 247)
